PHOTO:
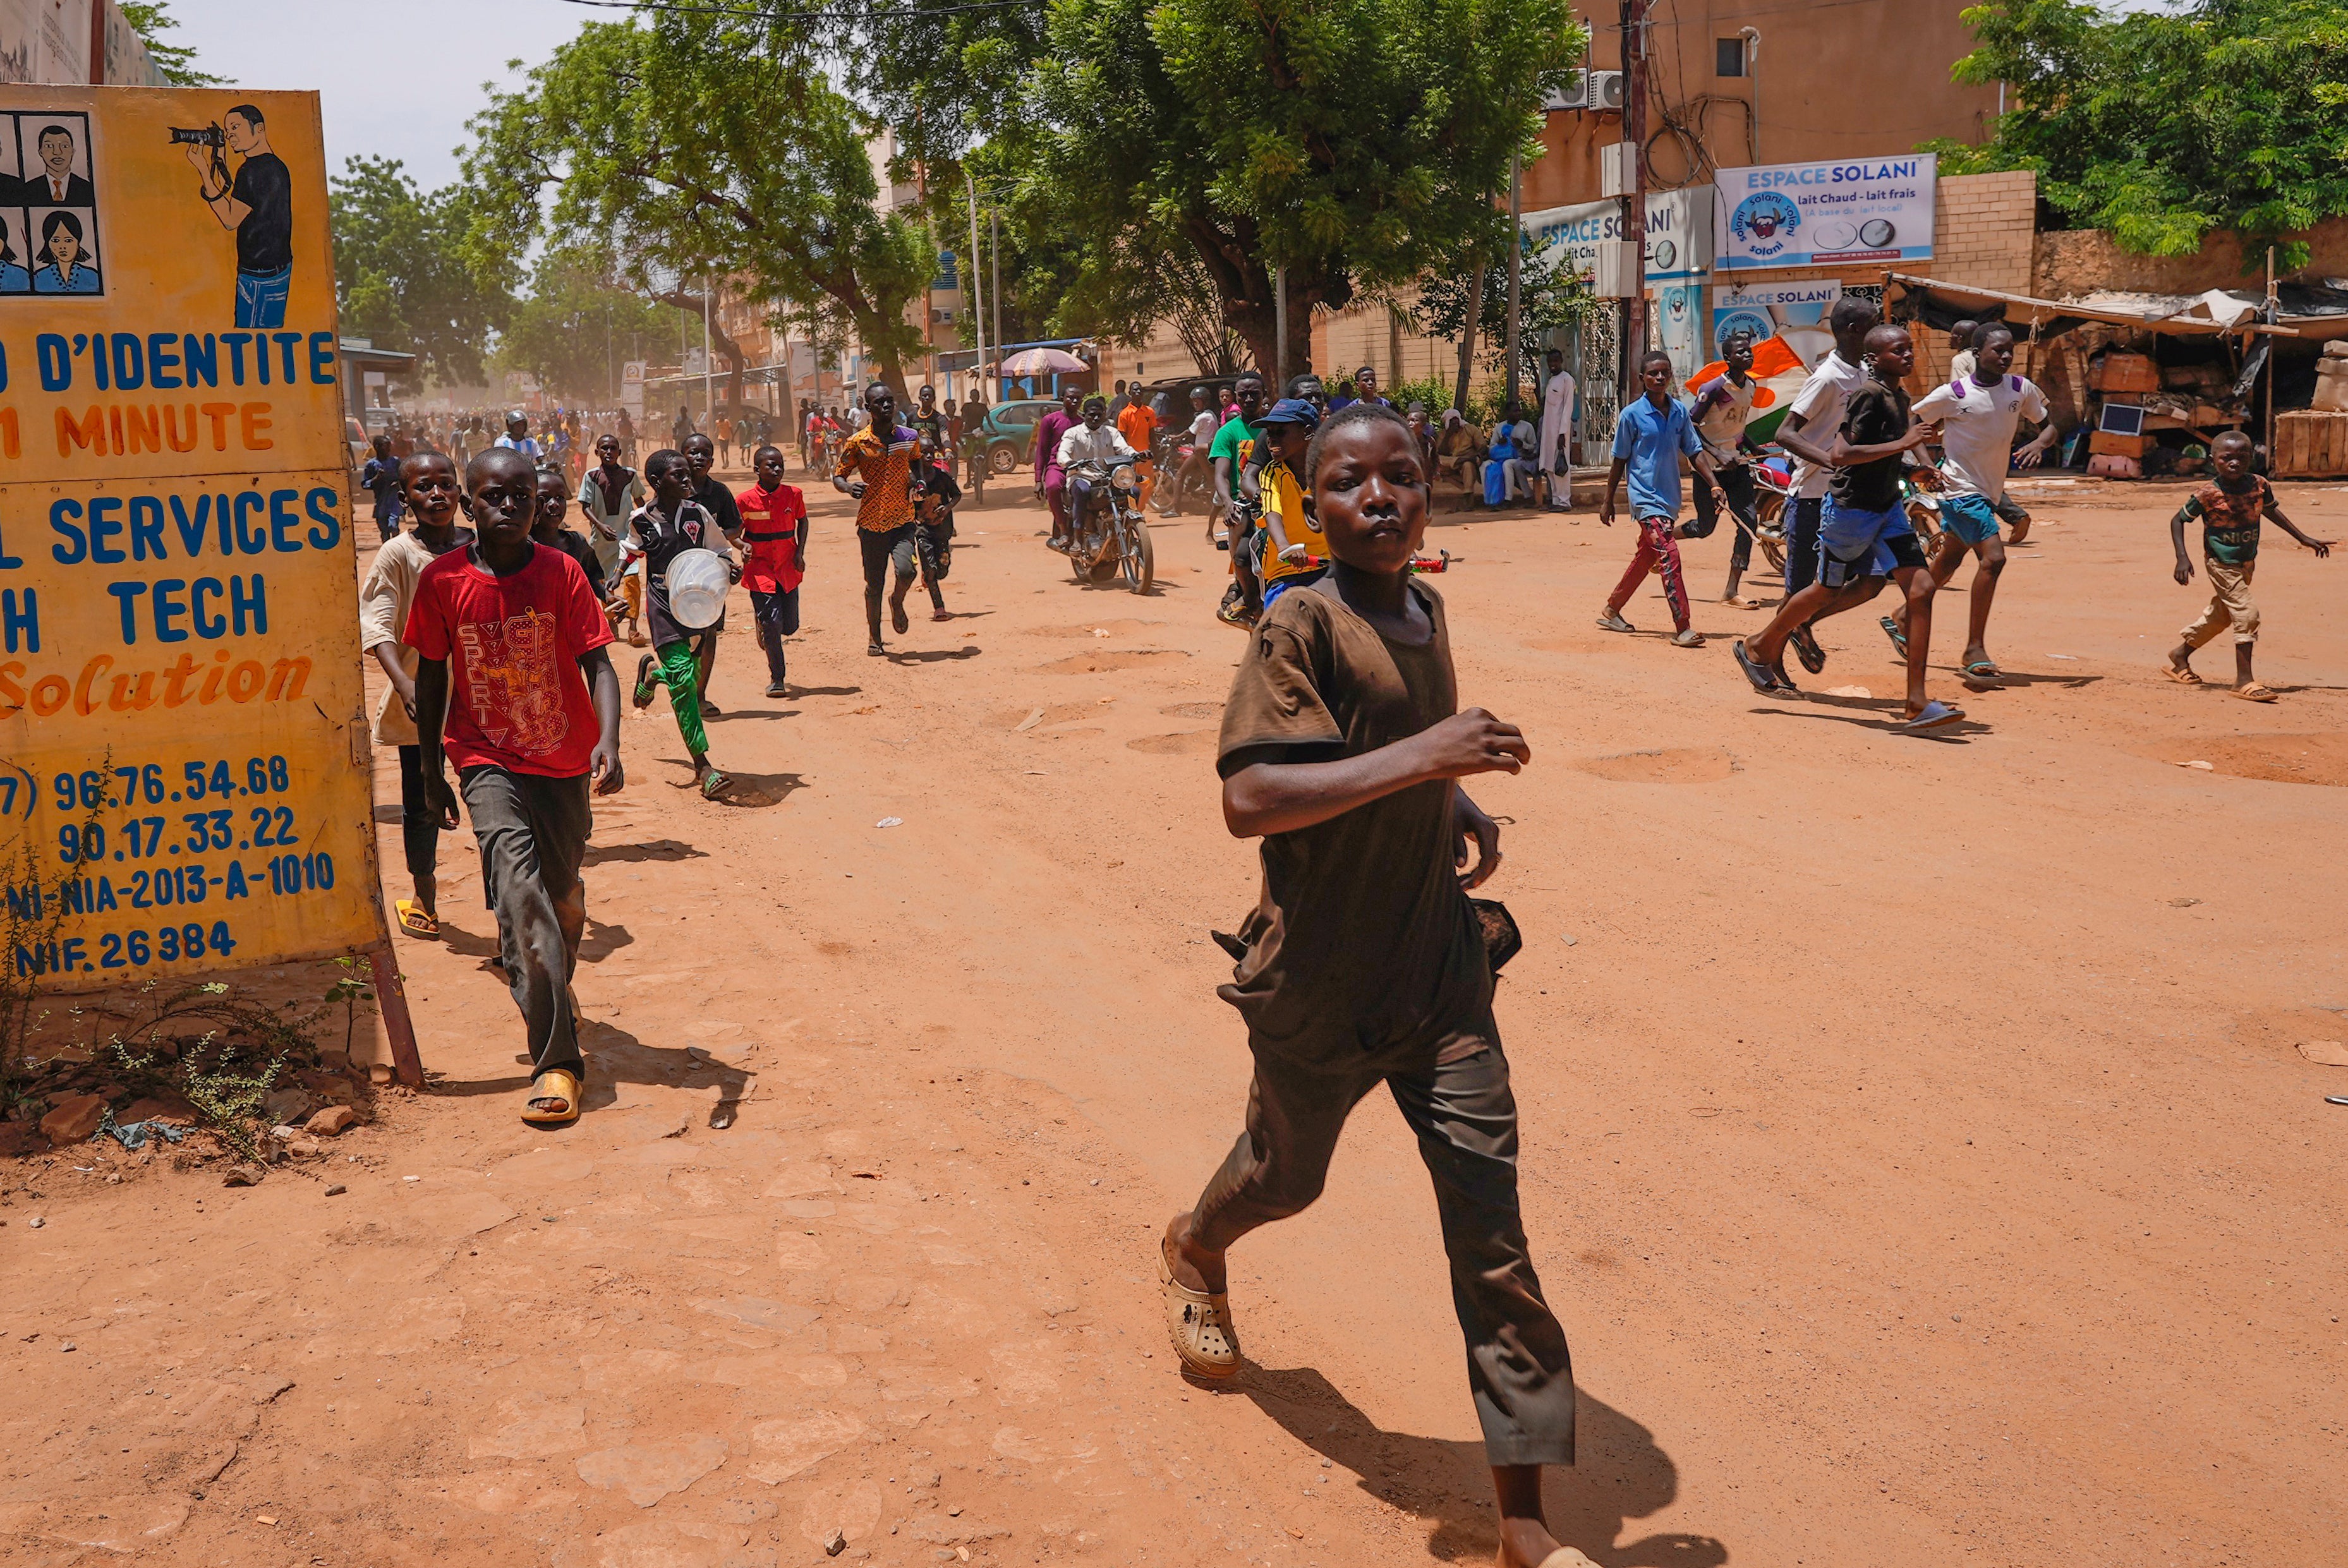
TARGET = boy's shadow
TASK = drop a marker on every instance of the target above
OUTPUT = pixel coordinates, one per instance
(1620, 1475)
(932, 655)
(598, 942)
(613, 1057)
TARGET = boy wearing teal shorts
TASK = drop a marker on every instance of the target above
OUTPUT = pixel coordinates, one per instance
(1977, 414)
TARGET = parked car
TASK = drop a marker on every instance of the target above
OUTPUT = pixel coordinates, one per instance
(361, 445)
(1007, 434)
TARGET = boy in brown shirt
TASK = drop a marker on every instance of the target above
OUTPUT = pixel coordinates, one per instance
(1365, 963)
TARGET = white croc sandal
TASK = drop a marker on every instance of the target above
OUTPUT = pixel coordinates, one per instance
(1200, 1324)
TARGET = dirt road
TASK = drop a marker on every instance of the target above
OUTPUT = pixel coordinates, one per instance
(1917, 1145)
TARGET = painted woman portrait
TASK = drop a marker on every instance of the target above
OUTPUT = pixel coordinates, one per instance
(64, 264)
(14, 277)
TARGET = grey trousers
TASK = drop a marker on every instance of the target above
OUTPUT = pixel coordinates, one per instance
(1466, 1119)
(533, 833)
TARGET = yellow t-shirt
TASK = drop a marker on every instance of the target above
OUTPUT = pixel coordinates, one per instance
(1284, 498)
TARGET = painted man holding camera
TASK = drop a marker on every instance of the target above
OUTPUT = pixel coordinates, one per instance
(258, 204)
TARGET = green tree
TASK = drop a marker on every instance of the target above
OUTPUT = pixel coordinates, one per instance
(150, 19)
(401, 272)
(1355, 143)
(702, 144)
(2160, 126)
(1549, 294)
(573, 328)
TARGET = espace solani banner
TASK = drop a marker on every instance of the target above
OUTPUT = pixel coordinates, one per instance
(183, 770)
(1825, 214)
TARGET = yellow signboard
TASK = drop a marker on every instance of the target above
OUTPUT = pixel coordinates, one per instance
(184, 771)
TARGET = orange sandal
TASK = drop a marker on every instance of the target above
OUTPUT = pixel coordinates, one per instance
(553, 1084)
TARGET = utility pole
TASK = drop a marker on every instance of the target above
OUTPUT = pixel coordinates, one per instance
(709, 372)
(1632, 337)
(994, 224)
(977, 304)
(1516, 271)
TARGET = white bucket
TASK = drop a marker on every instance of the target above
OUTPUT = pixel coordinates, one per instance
(696, 588)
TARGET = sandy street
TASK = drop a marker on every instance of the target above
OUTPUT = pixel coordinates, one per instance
(1917, 1145)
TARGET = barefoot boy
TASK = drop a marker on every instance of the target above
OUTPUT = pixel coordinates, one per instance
(1978, 414)
(1863, 535)
(1340, 749)
(514, 686)
(1650, 438)
(2228, 510)
(428, 484)
(876, 467)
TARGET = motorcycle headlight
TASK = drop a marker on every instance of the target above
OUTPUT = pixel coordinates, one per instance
(1122, 476)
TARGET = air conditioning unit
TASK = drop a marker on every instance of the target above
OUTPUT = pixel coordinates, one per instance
(1598, 90)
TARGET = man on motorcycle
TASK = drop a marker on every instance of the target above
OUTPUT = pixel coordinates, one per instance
(1086, 455)
(1051, 481)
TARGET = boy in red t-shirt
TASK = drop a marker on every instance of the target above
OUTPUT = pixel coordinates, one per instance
(513, 685)
(774, 536)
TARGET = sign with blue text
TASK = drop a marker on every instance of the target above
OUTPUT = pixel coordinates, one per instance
(184, 774)
(1825, 214)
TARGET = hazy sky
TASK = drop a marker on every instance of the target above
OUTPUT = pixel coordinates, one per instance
(397, 79)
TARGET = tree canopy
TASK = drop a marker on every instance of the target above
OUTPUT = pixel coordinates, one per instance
(1356, 143)
(577, 324)
(701, 144)
(2160, 126)
(401, 274)
(150, 19)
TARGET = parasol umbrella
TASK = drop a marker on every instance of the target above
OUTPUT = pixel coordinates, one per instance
(1043, 361)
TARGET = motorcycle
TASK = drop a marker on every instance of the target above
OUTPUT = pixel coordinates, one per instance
(1115, 537)
(1773, 490)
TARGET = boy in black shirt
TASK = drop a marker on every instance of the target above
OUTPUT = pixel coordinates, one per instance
(1343, 749)
(669, 524)
(1864, 535)
(546, 527)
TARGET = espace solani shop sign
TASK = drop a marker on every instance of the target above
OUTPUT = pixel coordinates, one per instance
(1825, 214)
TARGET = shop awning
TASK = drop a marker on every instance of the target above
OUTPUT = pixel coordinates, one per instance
(2308, 311)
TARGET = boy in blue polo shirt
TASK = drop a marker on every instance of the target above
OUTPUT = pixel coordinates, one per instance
(1650, 438)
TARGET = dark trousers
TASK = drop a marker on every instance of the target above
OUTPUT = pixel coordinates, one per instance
(419, 825)
(1803, 514)
(1466, 1119)
(1736, 479)
(778, 616)
(533, 835)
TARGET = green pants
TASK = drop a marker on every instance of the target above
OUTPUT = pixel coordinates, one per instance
(682, 676)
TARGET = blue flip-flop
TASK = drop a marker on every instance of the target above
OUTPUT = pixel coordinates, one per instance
(1935, 715)
(1765, 680)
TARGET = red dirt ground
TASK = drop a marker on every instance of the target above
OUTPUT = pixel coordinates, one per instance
(1916, 1144)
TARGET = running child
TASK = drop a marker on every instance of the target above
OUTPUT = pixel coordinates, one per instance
(774, 558)
(546, 528)
(514, 685)
(1290, 537)
(1342, 748)
(1719, 413)
(1650, 438)
(1807, 432)
(2228, 510)
(876, 467)
(665, 528)
(1864, 535)
(429, 485)
(381, 475)
(608, 495)
(1978, 414)
(935, 497)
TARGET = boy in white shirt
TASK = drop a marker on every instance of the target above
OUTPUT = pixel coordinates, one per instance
(1978, 416)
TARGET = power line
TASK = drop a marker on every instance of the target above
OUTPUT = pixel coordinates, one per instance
(821, 14)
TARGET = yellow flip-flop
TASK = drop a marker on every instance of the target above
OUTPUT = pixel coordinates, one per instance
(554, 1083)
(415, 921)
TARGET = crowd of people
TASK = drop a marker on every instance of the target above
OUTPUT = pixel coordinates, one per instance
(1342, 746)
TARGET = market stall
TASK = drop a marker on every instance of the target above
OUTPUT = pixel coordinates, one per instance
(2143, 382)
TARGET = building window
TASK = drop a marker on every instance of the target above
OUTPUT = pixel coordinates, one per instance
(1728, 57)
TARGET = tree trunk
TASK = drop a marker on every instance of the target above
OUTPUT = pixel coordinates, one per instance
(1467, 337)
